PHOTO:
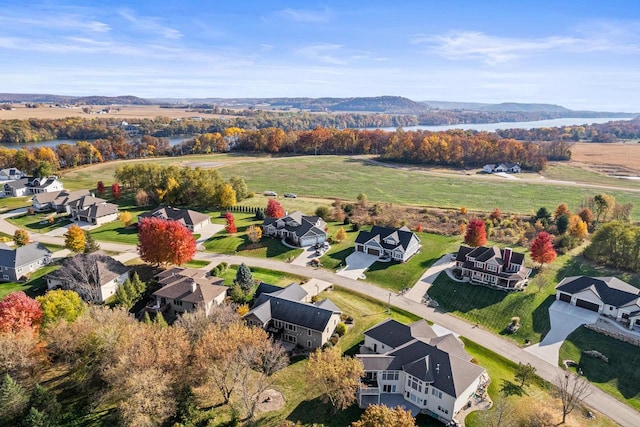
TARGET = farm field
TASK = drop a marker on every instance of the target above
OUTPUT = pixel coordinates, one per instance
(619, 155)
(126, 112)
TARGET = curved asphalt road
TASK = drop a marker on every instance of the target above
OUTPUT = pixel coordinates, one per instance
(598, 399)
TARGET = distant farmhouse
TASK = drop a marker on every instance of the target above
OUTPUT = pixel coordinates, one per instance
(193, 220)
(186, 290)
(411, 366)
(11, 174)
(29, 185)
(302, 230)
(397, 244)
(502, 167)
(94, 276)
(283, 313)
(17, 263)
(608, 296)
(494, 267)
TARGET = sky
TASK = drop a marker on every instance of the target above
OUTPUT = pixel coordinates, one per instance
(580, 54)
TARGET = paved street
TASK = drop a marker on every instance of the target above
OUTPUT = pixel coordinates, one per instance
(598, 400)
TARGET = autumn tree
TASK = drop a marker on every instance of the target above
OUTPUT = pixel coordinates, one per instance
(254, 233)
(542, 249)
(74, 239)
(562, 209)
(578, 227)
(125, 217)
(165, 242)
(496, 215)
(604, 205)
(60, 304)
(142, 198)
(240, 187)
(90, 244)
(100, 188)
(337, 377)
(322, 212)
(383, 416)
(586, 215)
(231, 223)
(362, 199)
(116, 191)
(572, 390)
(274, 209)
(341, 235)
(227, 196)
(21, 237)
(476, 234)
(18, 312)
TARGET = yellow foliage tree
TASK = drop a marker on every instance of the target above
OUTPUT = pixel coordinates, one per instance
(242, 309)
(383, 416)
(463, 210)
(125, 217)
(577, 227)
(227, 196)
(74, 239)
(341, 234)
(254, 233)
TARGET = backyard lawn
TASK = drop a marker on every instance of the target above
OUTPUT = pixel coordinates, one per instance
(620, 376)
(33, 287)
(40, 223)
(10, 203)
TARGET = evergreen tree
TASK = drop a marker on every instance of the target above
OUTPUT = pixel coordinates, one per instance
(90, 244)
(138, 285)
(14, 401)
(160, 321)
(36, 418)
(244, 278)
(122, 297)
(146, 318)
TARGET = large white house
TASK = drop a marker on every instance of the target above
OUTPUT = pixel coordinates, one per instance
(303, 230)
(411, 366)
(31, 185)
(608, 296)
(491, 266)
(398, 244)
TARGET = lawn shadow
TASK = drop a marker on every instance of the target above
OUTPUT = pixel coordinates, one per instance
(354, 349)
(540, 317)
(316, 412)
(463, 297)
(338, 257)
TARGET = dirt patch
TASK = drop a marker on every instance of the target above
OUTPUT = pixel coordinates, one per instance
(270, 400)
(611, 159)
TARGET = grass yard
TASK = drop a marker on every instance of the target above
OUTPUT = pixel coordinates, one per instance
(39, 223)
(271, 277)
(335, 256)
(397, 276)
(33, 287)
(10, 203)
(195, 263)
(562, 171)
(116, 232)
(620, 377)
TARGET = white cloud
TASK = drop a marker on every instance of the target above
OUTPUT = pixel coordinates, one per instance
(305, 15)
(150, 24)
(56, 21)
(323, 52)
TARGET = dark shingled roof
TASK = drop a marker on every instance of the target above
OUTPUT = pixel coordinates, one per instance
(178, 284)
(183, 216)
(611, 290)
(298, 223)
(394, 334)
(401, 235)
(485, 253)
(22, 255)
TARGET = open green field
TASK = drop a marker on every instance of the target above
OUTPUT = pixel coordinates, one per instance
(620, 377)
(325, 176)
(562, 171)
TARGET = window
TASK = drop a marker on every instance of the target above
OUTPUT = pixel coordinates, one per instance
(390, 375)
(290, 338)
(277, 324)
(5, 277)
(291, 327)
(309, 344)
(178, 302)
(388, 388)
(309, 332)
(436, 393)
(492, 268)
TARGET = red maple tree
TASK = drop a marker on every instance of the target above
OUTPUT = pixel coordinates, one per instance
(274, 209)
(19, 312)
(542, 249)
(100, 187)
(165, 242)
(476, 234)
(231, 223)
(116, 190)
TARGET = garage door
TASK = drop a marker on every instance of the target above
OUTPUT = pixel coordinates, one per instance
(372, 251)
(565, 298)
(588, 305)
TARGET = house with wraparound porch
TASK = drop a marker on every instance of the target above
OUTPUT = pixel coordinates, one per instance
(494, 267)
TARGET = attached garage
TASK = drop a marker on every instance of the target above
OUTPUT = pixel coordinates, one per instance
(372, 251)
(565, 298)
(588, 305)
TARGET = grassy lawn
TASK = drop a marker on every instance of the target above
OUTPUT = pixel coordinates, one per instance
(10, 203)
(39, 223)
(272, 277)
(116, 232)
(562, 171)
(335, 256)
(397, 276)
(620, 377)
(195, 263)
(34, 287)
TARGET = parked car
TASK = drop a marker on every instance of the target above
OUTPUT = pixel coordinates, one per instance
(290, 195)
(271, 193)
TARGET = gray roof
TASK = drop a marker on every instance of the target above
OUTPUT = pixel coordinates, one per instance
(611, 290)
(184, 216)
(299, 224)
(22, 255)
(467, 256)
(403, 236)
(395, 334)
(178, 284)
(85, 201)
(99, 210)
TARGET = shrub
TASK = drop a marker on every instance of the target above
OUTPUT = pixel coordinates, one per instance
(322, 212)
(341, 329)
(260, 214)
(355, 226)
(348, 209)
(334, 339)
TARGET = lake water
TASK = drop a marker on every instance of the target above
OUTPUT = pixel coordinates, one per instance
(174, 140)
(492, 127)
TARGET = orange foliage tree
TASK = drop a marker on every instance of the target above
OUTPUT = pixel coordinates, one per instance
(542, 249)
(274, 209)
(231, 223)
(476, 234)
(165, 242)
(18, 312)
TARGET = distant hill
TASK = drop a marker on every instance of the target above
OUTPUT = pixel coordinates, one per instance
(451, 105)
(505, 106)
(382, 104)
(64, 99)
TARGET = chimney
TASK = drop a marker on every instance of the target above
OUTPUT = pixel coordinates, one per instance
(506, 258)
(193, 286)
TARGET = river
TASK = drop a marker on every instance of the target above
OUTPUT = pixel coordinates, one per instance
(174, 140)
(492, 127)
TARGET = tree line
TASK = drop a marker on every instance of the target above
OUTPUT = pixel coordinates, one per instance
(600, 132)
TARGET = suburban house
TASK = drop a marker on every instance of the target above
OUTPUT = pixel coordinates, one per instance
(17, 263)
(303, 230)
(93, 210)
(398, 244)
(283, 313)
(10, 174)
(502, 167)
(94, 276)
(411, 366)
(193, 220)
(57, 201)
(492, 266)
(31, 185)
(608, 296)
(187, 289)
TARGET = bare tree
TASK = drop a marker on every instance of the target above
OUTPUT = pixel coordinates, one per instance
(81, 273)
(572, 390)
(501, 414)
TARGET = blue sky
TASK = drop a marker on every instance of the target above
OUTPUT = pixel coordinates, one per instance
(580, 54)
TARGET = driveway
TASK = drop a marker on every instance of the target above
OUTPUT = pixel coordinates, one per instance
(307, 255)
(357, 264)
(565, 318)
(206, 232)
(419, 290)
(61, 231)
